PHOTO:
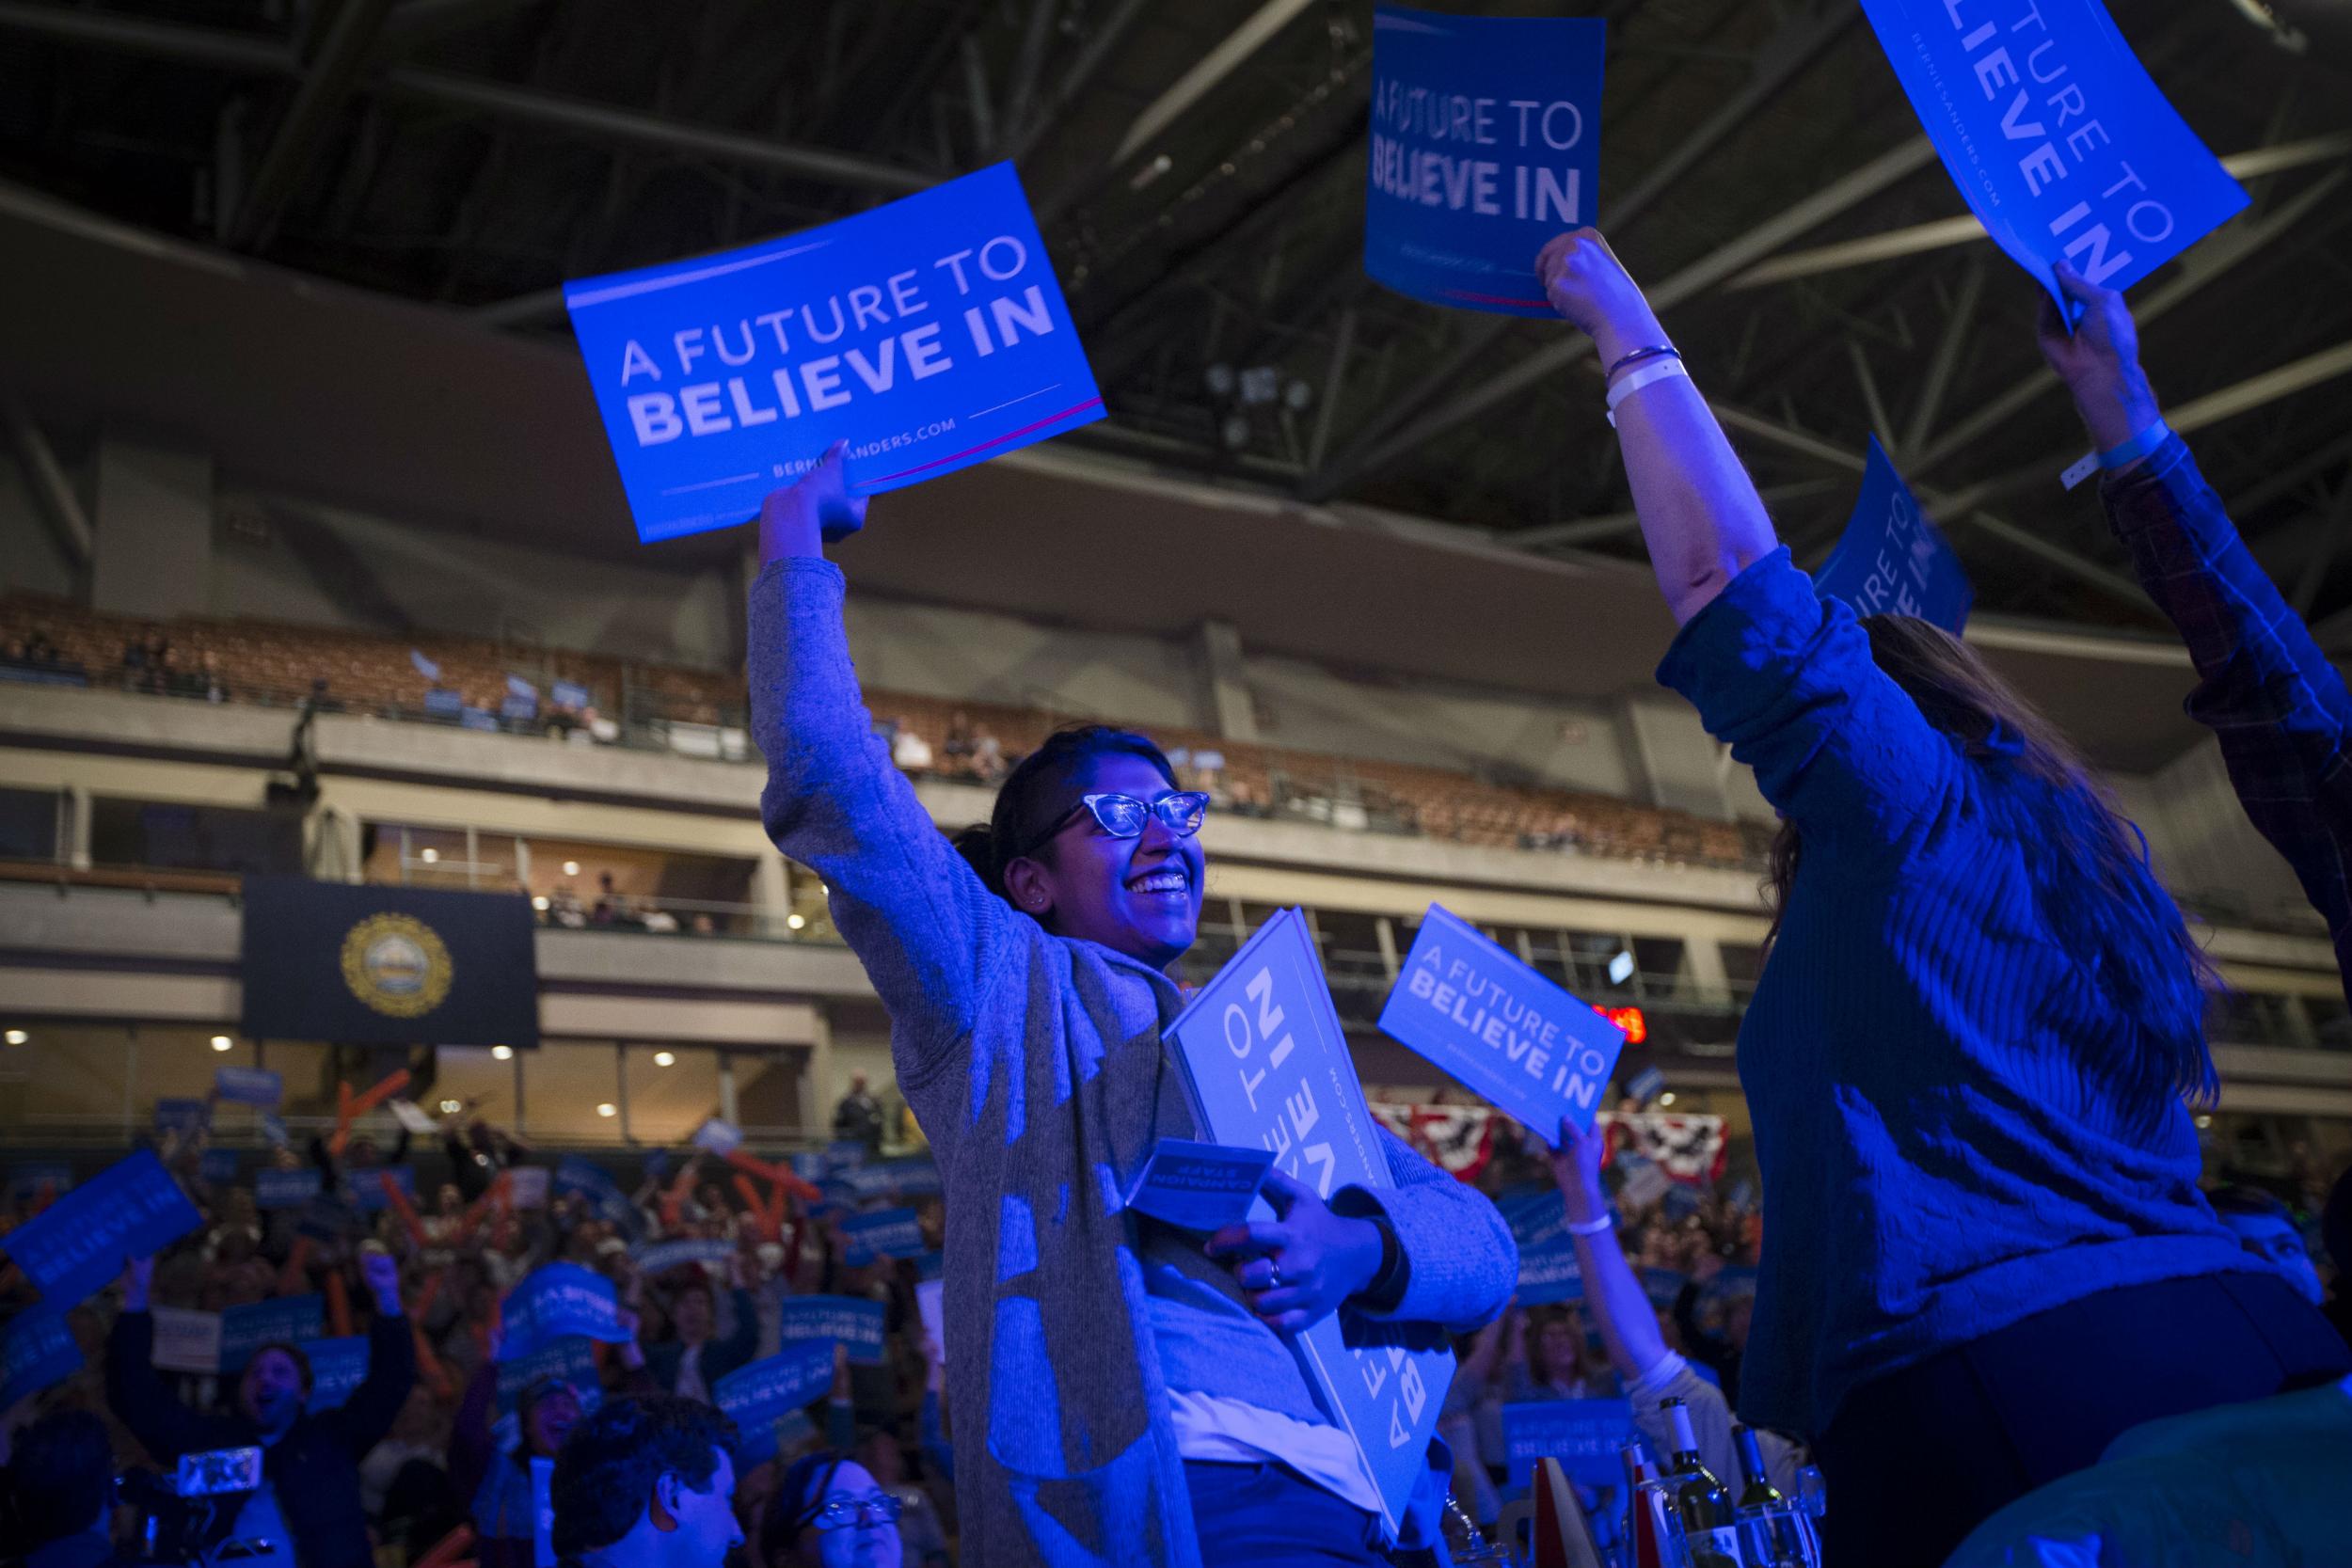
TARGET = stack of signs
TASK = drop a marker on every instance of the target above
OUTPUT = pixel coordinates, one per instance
(80, 1242)
(1196, 1186)
(885, 1233)
(37, 1352)
(2001, 94)
(285, 1188)
(1501, 1029)
(1268, 1067)
(855, 1324)
(337, 1366)
(556, 1302)
(929, 334)
(1485, 143)
(764, 1392)
(1585, 1435)
(1892, 559)
(1547, 1268)
(280, 1320)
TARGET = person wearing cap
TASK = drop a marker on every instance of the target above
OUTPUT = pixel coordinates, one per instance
(309, 1507)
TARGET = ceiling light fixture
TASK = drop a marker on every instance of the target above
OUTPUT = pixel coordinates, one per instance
(222, 1042)
(502, 1052)
(663, 1058)
(607, 1109)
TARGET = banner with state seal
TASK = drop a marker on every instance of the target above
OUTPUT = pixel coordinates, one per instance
(368, 965)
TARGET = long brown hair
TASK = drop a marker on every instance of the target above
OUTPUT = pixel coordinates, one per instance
(2087, 860)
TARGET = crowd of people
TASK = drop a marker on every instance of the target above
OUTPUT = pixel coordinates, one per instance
(1983, 1258)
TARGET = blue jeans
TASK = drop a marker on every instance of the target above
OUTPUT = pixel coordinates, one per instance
(1267, 1516)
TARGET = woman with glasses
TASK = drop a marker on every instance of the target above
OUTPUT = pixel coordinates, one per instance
(1122, 1390)
(829, 1512)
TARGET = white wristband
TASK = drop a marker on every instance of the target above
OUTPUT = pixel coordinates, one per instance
(1657, 371)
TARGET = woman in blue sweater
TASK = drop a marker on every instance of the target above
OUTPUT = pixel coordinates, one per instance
(1985, 1253)
(1122, 1391)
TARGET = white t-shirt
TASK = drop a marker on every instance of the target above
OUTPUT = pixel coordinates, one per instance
(1231, 1432)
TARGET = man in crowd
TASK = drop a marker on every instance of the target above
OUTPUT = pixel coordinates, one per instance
(858, 1118)
(647, 1483)
(309, 1507)
(2264, 1227)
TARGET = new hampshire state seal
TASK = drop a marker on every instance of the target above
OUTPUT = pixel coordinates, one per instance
(396, 965)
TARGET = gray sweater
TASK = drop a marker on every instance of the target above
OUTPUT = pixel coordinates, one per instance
(1035, 1065)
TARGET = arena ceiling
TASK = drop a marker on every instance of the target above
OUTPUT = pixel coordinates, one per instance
(1198, 171)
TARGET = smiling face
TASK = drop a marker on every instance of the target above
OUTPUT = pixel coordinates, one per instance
(1139, 896)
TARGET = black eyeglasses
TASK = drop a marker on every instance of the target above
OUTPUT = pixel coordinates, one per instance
(1123, 817)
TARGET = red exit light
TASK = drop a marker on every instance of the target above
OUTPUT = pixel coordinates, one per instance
(1636, 1027)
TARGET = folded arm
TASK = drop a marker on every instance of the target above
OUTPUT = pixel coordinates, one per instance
(1458, 1261)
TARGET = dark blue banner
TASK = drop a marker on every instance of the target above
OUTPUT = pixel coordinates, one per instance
(846, 1320)
(36, 1351)
(1506, 1032)
(250, 1085)
(1485, 143)
(1549, 1271)
(280, 1320)
(370, 965)
(336, 1368)
(81, 1241)
(556, 1302)
(929, 334)
(285, 1189)
(888, 1233)
(764, 1392)
(1584, 1436)
(1892, 560)
(2056, 138)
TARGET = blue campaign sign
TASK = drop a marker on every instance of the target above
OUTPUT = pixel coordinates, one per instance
(1892, 560)
(1196, 1186)
(176, 1115)
(280, 1320)
(284, 1189)
(2056, 138)
(917, 1177)
(844, 1154)
(326, 1218)
(337, 1366)
(764, 1392)
(656, 1258)
(856, 1324)
(558, 1301)
(1485, 143)
(1504, 1031)
(885, 1233)
(1584, 1436)
(1663, 1286)
(36, 1351)
(367, 1186)
(1549, 1271)
(929, 334)
(1268, 1067)
(82, 1240)
(219, 1166)
(250, 1085)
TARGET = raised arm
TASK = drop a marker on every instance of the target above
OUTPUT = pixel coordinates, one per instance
(1612, 1293)
(374, 1405)
(1787, 680)
(2265, 690)
(927, 931)
(139, 1398)
(1700, 514)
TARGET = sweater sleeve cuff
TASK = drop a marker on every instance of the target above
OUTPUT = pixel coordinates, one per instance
(1739, 650)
